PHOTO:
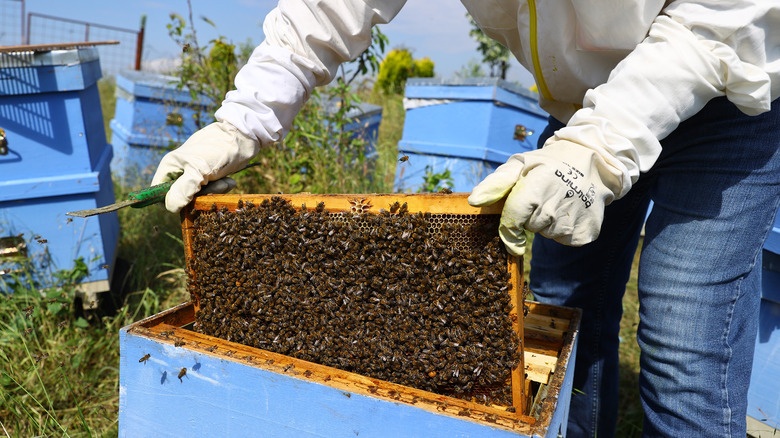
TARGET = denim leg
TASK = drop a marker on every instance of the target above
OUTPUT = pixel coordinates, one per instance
(593, 278)
(716, 190)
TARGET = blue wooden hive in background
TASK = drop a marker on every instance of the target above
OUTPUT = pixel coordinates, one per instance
(468, 127)
(56, 160)
(151, 116)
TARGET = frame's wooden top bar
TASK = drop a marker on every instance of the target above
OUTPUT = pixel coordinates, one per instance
(437, 203)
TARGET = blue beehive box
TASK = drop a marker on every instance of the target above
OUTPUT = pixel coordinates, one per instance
(764, 392)
(151, 117)
(468, 127)
(56, 161)
(366, 118)
(229, 389)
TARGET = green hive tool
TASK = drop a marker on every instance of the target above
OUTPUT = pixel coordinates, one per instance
(141, 198)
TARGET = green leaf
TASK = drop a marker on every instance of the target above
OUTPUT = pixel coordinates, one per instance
(81, 323)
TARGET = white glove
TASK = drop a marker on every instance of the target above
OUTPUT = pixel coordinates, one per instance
(559, 191)
(208, 155)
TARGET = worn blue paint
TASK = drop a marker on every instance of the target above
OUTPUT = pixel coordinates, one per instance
(560, 417)
(219, 397)
(470, 133)
(57, 161)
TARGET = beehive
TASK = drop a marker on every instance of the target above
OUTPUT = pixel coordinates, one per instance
(331, 399)
(54, 158)
(467, 126)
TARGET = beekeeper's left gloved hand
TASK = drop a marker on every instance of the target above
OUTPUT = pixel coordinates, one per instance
(559, 191)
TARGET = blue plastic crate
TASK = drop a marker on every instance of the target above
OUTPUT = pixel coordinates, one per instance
(57, 161)
(467, 127)
(151, 116)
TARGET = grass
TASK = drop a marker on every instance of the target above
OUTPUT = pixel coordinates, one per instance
(59, 370)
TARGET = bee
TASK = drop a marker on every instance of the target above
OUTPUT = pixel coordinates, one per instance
(446, 190)
(144, 358)
(211, 349)
(185, 48)
(42, 241)
(166, 333)
(179, 343)
(40, 357)
(404, 158)
(105, 266)
(182, 373)
(62, 324)
(27, 331)
(68, 220)
(28, 311)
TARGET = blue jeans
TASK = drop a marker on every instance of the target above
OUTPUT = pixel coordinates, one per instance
(715, 192)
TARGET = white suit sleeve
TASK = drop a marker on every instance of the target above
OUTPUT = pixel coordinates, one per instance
(695, 51)
(305, 42)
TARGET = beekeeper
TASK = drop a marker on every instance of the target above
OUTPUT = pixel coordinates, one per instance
(672, 101)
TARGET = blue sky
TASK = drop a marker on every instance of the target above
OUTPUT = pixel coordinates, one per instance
(434, 28)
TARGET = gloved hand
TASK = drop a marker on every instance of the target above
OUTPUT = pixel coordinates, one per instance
(559, 191)
(208, 155)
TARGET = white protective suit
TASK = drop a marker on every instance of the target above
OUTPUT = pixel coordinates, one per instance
(621, 74)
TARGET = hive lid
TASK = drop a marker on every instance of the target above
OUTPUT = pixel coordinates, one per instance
(491, 89)
(132, 84)
(75, 67)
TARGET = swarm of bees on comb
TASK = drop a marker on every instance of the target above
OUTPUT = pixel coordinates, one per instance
(416, 299)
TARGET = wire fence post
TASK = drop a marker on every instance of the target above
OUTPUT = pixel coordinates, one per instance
(139, 45)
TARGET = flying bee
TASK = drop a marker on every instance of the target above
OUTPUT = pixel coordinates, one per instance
(42, 241)
(404, 158)
(27, 331)
(185, 48)
(62, 324)
(144, 358)
(40, 357)
(68, 220)
(105, 266)
(182, 373)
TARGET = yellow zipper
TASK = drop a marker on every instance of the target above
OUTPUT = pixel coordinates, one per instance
(542, 85)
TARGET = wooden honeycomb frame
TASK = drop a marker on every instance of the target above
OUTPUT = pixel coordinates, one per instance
(533, 366)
